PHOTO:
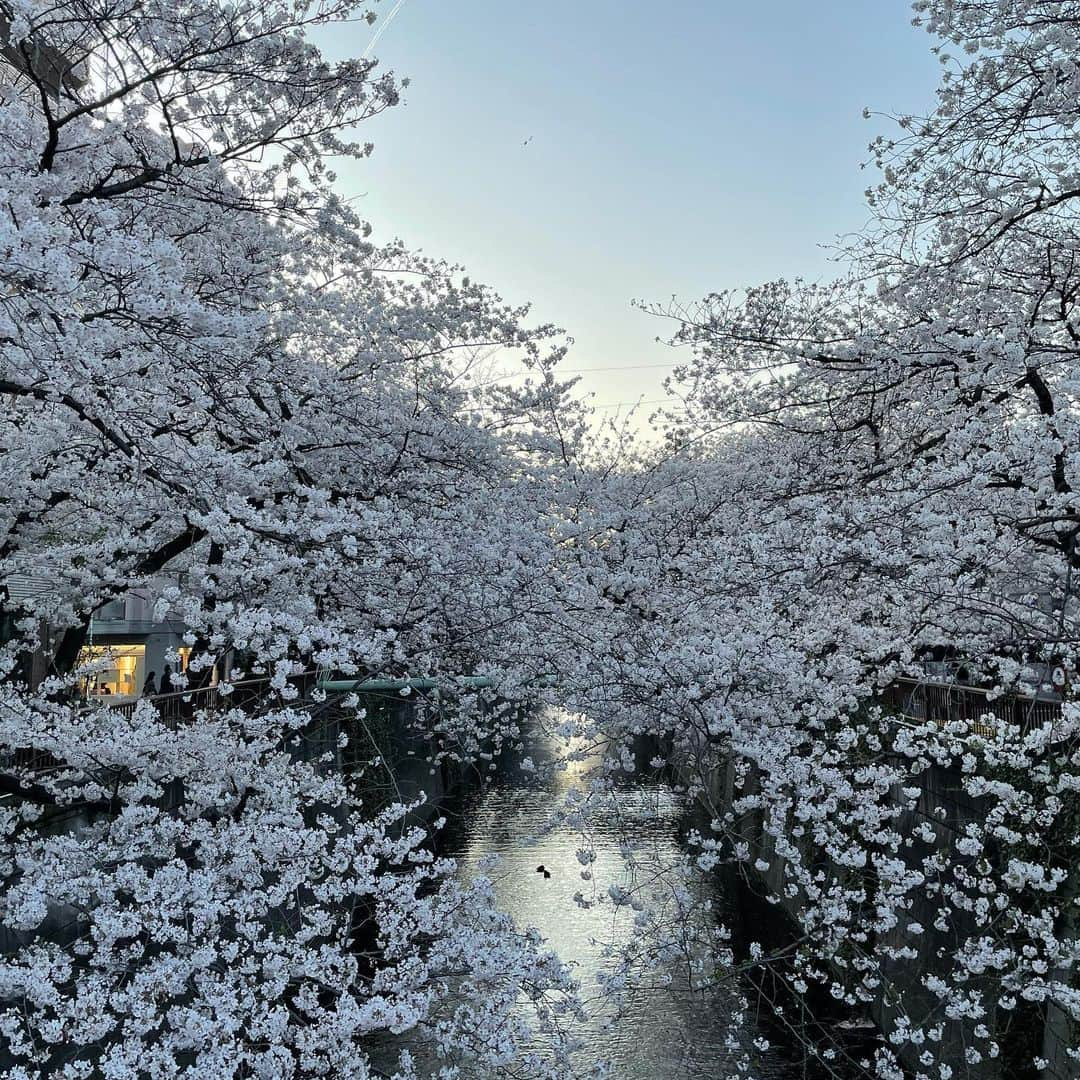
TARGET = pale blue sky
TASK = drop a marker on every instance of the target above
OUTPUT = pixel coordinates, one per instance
(674, 148)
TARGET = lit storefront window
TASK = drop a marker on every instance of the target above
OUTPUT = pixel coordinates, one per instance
(118, 670)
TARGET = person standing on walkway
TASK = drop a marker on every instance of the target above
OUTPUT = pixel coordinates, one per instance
(168, 705)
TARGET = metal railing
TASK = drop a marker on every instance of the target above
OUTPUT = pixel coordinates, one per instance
(947, 702)
(174, 708)
(184, 704)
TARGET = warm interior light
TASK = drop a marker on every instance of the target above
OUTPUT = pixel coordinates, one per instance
(119, 669)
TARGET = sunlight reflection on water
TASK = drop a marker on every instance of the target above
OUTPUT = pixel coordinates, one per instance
(660, 1033)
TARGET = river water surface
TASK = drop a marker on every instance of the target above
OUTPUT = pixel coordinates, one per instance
(659, 1033)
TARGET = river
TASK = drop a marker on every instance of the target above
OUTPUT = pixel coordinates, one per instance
(660, 1032)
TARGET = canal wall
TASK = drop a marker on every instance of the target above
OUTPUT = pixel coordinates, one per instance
(945, 807)
(392, 757)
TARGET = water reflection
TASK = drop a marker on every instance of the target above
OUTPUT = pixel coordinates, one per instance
(660, 1032)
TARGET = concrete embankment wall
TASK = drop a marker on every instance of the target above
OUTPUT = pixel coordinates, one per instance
(390, 756)
(1023, 1034)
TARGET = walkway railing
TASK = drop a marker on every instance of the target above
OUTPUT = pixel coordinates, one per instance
(179, 704)
(174, 708)
(945, 702)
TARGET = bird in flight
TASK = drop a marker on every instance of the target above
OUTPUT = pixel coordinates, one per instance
(527, 141)
(541, 869)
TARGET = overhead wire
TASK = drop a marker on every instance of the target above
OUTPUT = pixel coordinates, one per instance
(501, 379)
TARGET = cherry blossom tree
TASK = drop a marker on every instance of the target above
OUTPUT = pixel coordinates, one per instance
(869, 474)
(211, 374)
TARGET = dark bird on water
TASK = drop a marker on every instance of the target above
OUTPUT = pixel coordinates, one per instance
(543, 870)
